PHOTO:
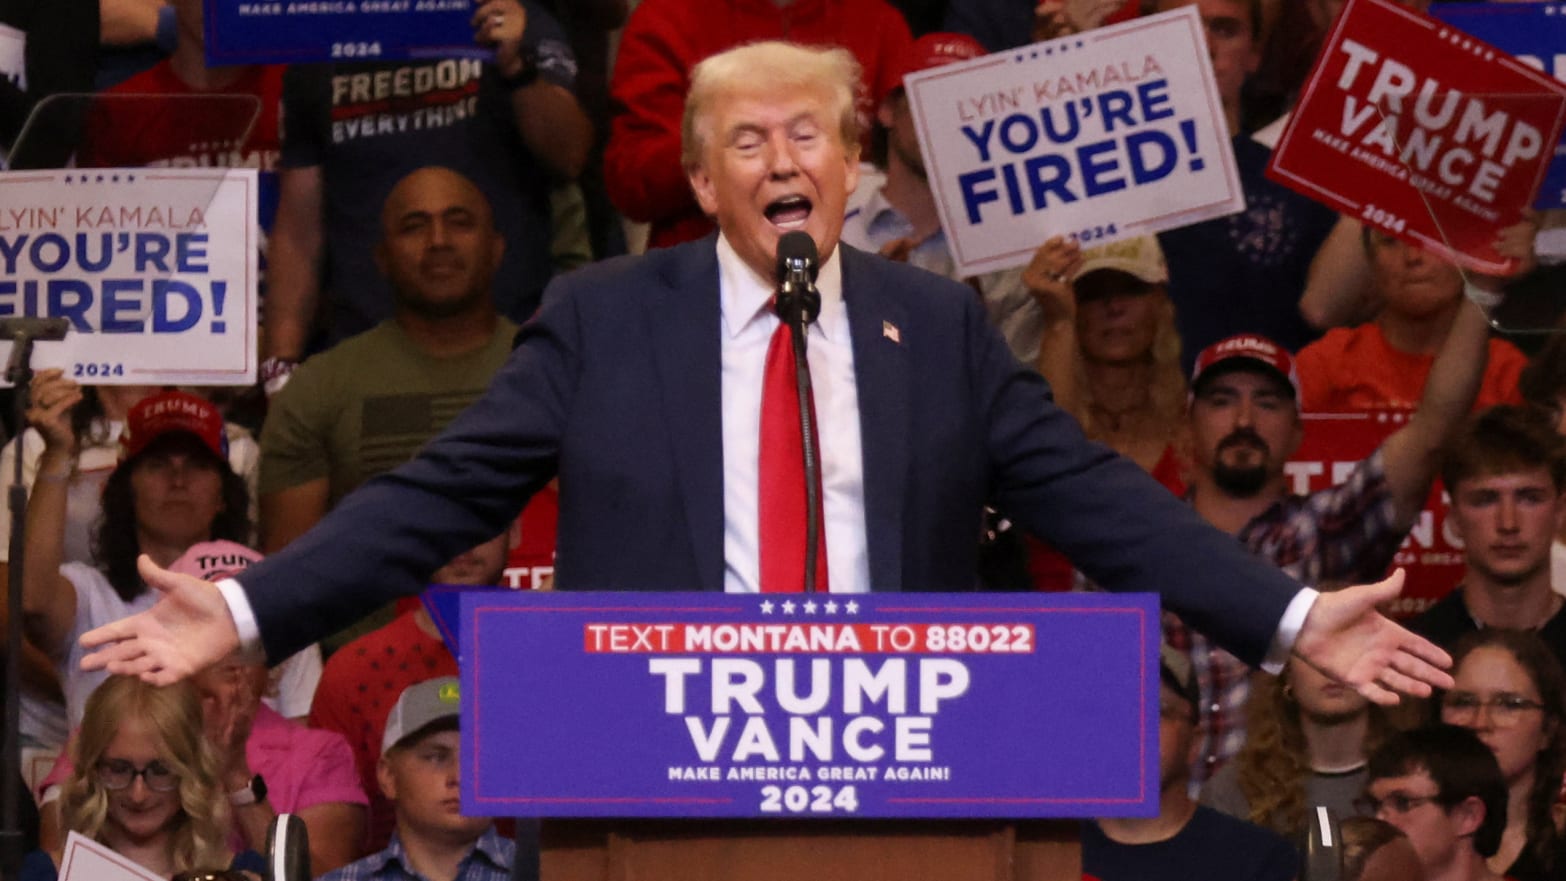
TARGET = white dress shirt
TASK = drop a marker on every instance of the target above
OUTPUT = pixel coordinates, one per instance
(747, 329)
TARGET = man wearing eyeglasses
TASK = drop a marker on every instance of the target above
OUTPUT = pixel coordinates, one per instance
(1506, 474)
(1443, 788)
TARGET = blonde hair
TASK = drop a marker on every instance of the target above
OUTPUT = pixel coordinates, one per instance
(773, 67)
(198, 838)
(1167, 394)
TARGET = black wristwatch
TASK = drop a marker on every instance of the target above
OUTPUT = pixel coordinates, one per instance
(252, 794)
(527, 76)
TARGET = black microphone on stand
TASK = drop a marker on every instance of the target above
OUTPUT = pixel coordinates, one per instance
(287, 849)
(22, 332)
(798, 304)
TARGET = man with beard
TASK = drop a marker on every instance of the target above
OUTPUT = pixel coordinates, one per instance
(365, 406)
(1244, 420)
(1506, 474)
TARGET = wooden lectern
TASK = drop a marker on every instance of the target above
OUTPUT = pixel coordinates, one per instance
(863, 850)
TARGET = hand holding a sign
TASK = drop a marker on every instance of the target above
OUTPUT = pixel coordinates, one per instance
(1049, 274)
(188, 630)
(51, 397)
(501, 24)
(1346, 637)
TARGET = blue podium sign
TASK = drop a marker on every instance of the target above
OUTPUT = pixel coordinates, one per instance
(880, 705)
(301, 31)
(1536, 34)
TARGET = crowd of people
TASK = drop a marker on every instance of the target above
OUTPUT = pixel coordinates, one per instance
(412, 240)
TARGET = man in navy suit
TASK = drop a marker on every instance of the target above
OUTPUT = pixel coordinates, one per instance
(639, 385)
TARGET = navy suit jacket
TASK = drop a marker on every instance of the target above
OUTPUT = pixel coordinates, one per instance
(615, 386)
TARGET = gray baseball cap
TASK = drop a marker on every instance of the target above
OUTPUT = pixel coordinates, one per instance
(420, 706)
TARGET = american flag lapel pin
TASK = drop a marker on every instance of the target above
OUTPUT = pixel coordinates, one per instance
(890, 331)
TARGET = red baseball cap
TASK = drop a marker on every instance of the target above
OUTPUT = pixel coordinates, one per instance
(936, 50)
(1247, 350)
(156, 415)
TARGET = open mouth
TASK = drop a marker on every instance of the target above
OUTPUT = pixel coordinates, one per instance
(789, 212)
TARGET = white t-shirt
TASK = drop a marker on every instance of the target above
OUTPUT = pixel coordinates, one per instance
(97, 604)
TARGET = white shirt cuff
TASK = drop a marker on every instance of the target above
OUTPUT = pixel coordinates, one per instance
(1288, 630)
(250, 648)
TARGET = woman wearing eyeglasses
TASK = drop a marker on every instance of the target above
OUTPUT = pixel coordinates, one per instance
(147, 784)
(1511, 692)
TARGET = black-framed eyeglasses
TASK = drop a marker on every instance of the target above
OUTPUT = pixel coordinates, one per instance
(1397, 803)
(1504, 709)
(120, 774)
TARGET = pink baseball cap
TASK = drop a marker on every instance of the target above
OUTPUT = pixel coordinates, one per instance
(215, 560)
(1246, 350)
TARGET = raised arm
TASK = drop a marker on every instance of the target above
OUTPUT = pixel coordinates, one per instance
(551, 122)
(1048, 278)
(295, 255)
(49, 598)
(1413, 453)
(1339, 291)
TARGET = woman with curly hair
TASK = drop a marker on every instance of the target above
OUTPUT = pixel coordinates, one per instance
(1306, 744)
(147, 784)
(1510, 690)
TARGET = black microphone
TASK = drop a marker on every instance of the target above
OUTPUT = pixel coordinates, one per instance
(287, 849)
(1323, 855)
(798, 301)
(23, 332)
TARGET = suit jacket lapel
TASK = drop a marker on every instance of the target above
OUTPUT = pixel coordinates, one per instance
(684, 316)
(877, 322)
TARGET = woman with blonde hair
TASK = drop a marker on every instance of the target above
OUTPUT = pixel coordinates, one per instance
(1111, 354)
(1110, 350)
(147, 783)
(1307, 740)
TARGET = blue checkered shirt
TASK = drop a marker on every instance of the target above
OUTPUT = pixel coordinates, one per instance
(490, 860)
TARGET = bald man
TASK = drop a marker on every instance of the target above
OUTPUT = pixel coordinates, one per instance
(366, 405)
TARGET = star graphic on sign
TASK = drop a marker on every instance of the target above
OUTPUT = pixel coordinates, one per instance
(851, 607)
(788, 607)
(810, 607)
(766, 607)
(830, 606)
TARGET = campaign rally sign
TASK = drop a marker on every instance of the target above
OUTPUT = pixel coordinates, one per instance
(86, 860)
(297, 31)
(1535, 33)
(1415, 128)
(1111, 133)
(1333, 444)
(154, 268)
(822, 705)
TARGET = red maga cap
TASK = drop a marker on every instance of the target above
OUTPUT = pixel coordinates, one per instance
(1256, 351)
(156, 415)
(937, 50)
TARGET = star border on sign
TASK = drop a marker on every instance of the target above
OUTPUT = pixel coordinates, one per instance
(851, 607)
(830, 606)
(766, 607)
(809, 606)
(788, 607)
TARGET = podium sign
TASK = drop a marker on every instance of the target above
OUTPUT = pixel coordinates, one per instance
(829, 706)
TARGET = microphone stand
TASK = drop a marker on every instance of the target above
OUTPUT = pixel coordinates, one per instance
(798, 306)
(19, 372)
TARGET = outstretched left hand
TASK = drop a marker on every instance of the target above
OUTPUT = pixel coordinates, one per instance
(1346, 637)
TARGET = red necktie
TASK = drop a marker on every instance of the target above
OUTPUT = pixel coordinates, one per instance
(782, 476)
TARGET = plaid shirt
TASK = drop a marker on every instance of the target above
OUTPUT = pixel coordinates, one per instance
(1342, 533)
(490, 860)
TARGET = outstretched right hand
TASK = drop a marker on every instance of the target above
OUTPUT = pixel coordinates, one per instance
(188, 630)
